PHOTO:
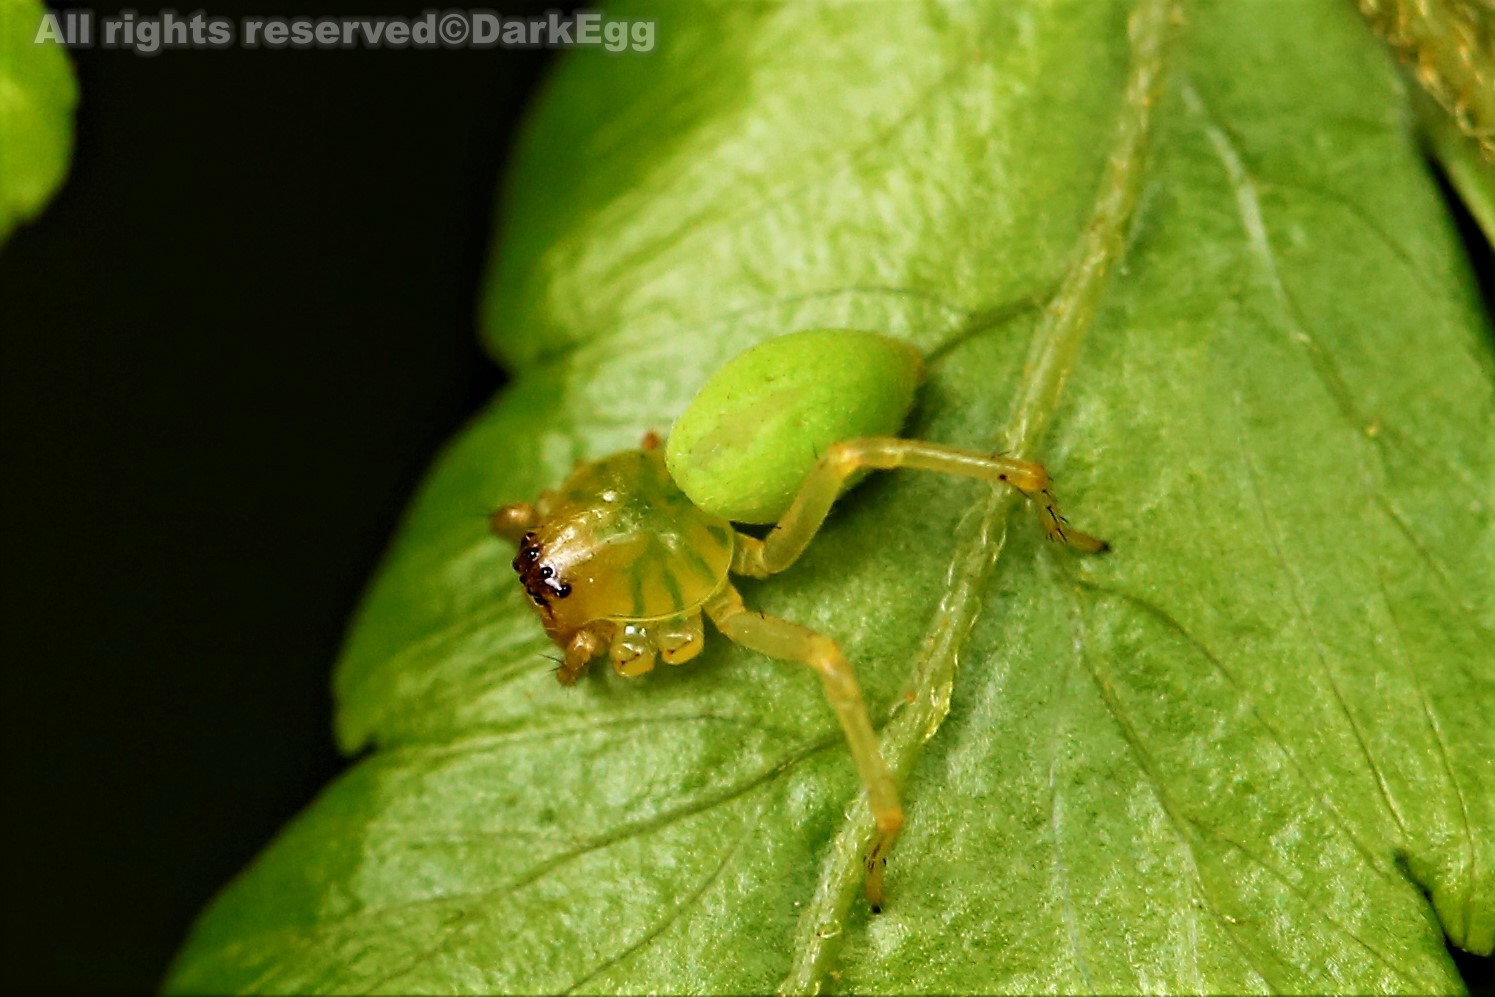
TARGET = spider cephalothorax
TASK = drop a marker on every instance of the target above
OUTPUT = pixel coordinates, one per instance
(618, 560)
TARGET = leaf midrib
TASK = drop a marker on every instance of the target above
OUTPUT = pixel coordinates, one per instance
(981, 536)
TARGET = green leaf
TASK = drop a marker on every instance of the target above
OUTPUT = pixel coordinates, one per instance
(1468, 171)
(1447, 48)
(1210, 283)
(37, 94)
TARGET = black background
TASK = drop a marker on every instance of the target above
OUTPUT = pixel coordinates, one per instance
(230, 348)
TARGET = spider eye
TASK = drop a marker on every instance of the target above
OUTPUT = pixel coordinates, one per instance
(563, 591)
(546, 571)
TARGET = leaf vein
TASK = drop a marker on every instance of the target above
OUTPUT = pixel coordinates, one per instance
(1179, 817)
(1272, 532)
(1055, 345)
(675, 913)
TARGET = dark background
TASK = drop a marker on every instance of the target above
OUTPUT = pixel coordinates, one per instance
(230, 347)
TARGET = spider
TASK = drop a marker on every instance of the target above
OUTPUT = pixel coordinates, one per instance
(619, 561)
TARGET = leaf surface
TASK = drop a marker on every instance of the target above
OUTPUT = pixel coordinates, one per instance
(1247, 751)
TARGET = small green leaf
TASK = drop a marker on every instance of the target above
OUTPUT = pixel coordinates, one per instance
(1210, 283)
(37, 94)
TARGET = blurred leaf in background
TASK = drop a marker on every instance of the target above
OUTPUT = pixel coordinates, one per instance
(37, 95)
(1448, 50)
(1248, 751)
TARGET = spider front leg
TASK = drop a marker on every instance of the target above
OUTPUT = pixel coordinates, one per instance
(512, 521)
(827, 479)
(584, 645)
(791, 642)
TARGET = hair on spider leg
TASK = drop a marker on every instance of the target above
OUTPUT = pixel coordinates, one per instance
(559, 663)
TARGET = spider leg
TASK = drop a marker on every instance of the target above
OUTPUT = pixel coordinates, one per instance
(787, 641)
(828, 478)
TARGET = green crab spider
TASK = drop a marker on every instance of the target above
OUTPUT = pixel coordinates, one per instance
(620, 561)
